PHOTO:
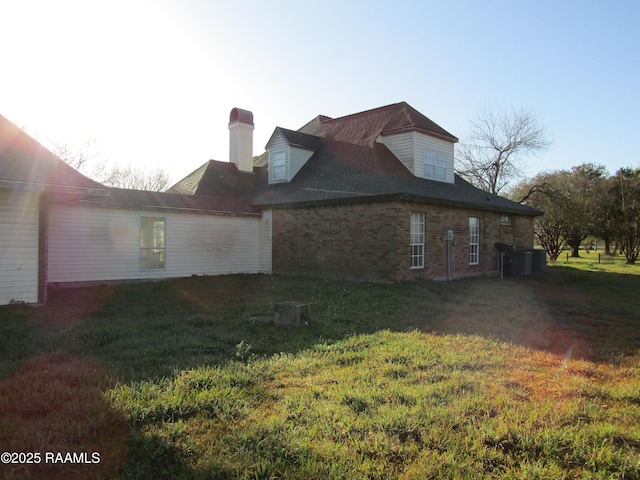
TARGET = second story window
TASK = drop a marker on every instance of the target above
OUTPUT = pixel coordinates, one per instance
(435, 165)
(278, 167)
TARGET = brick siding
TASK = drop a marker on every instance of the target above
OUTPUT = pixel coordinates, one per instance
(371, 241)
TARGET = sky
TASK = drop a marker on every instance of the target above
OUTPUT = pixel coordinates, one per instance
(153, 81)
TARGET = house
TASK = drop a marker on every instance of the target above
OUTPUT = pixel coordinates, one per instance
(59, 227)
(369, 196)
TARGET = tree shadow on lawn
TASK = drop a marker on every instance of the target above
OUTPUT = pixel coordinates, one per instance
(577, 314)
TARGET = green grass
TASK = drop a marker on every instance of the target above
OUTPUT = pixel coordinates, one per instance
(532, 377)
(597, 261)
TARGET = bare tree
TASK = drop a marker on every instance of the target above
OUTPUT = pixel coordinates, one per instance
(137, 178)
(88, 160)
(79, 158)
(491, 155)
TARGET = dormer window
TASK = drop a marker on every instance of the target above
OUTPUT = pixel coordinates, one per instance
(278, 167)
(288, 152)
(435, 165)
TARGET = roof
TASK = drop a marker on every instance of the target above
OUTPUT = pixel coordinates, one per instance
(219, 204)
(365, 127)
(26, 164)
(297, 139)
(216, 177)
(350, 165)
(347, 173)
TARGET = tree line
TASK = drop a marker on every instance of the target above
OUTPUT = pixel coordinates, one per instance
(585, 201)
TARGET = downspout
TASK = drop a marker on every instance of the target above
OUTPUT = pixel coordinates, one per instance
(451, 264)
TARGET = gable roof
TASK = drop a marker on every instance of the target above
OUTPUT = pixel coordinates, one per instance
(26, 164)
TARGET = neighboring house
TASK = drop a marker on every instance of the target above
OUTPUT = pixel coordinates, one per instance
(369, 196)
(59, 227)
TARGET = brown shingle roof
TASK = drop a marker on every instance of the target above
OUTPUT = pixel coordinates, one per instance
(365, 127)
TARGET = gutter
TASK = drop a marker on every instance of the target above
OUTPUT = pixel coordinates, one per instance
(54, 188)
(403, 197)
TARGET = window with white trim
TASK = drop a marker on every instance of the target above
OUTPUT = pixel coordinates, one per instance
(277, 167)
(152, 243)
(417, 239)
(435, 165)
(505, 219)
(474, 240)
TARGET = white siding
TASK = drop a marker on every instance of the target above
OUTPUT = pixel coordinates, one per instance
(402, 146)
(409, 148)
(425, 142)
(92, 244)
(296, 157)
(19, 213)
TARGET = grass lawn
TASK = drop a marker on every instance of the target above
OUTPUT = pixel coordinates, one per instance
(535, 377)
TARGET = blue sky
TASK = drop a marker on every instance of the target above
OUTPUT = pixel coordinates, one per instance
(153, 81)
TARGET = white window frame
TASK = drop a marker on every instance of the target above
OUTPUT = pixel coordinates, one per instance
(435, 165)
(278, 166)
(505, 219)
(418, 220)
(153, 243)
(474, 240)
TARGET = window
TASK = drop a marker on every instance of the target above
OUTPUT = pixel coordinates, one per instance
(474, 240)
(435, 165)
(278, 167)
(152, 243)
(417, 239)
(505, 219)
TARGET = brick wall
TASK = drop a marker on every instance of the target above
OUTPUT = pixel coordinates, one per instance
(371, 241)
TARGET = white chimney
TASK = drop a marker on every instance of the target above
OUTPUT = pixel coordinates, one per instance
(241, 139)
